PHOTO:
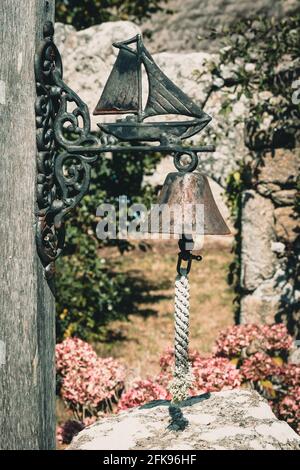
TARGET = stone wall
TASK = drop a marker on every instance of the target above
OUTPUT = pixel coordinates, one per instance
(270, 242)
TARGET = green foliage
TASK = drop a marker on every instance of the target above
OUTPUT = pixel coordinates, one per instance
(262, 56)
(84, 13)
(236, 183)
(89, 291)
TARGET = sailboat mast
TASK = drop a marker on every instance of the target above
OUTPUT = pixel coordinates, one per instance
(140, 89)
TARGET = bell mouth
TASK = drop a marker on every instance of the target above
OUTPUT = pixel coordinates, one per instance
(186, 205)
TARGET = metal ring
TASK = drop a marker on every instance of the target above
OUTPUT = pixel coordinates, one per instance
(188, 260)
(189, 167)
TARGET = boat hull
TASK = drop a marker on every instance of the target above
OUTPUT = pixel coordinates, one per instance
(154, 131)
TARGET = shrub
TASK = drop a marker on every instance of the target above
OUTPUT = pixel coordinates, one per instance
(141, 392)
(210, 375)
(243, 340)
(89, 385)
(245, 355)
(90, 292)
(85, 13)
(66, 432)
(214, 374)
(289, 408)
(261, 353)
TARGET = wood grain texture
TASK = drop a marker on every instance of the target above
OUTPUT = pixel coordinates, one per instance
(27, 312)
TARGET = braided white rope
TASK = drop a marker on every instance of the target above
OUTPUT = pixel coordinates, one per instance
(182, 375)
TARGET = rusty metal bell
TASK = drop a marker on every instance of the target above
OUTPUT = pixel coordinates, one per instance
(191, 193)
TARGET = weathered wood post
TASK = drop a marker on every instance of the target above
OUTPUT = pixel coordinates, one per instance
(27, 333)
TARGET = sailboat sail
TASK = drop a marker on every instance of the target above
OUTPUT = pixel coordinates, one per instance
(120, 94)
(164, 96)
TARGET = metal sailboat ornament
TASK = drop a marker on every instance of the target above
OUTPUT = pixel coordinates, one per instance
(122, 94)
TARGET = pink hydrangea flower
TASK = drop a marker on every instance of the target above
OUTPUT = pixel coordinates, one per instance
(289, 408)
(210, 375)
(88, 382)
(259, 366)
(141, 392)
(251, 338)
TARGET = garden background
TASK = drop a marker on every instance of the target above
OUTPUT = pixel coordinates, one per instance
(115, 299)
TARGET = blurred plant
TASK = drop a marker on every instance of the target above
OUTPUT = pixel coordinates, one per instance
(88, 384)
(210, 374)
(289, 408)
(240, 341)
(236, 183)
(141, 392)
(259, 60)
(257, 68)
(84, 13)
(260, 367)
(69, 429)
(90, 292)
(245, 356)
(261, 353)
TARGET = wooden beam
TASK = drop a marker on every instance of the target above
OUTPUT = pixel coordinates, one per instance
(27, 309)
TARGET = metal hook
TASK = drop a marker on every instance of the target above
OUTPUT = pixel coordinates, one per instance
(185, 255)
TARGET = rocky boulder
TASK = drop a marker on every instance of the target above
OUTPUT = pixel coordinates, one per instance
(234, 419)
(191, 23)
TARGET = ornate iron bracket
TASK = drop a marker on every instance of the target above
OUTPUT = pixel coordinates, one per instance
(62, 175)
(66, 150)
